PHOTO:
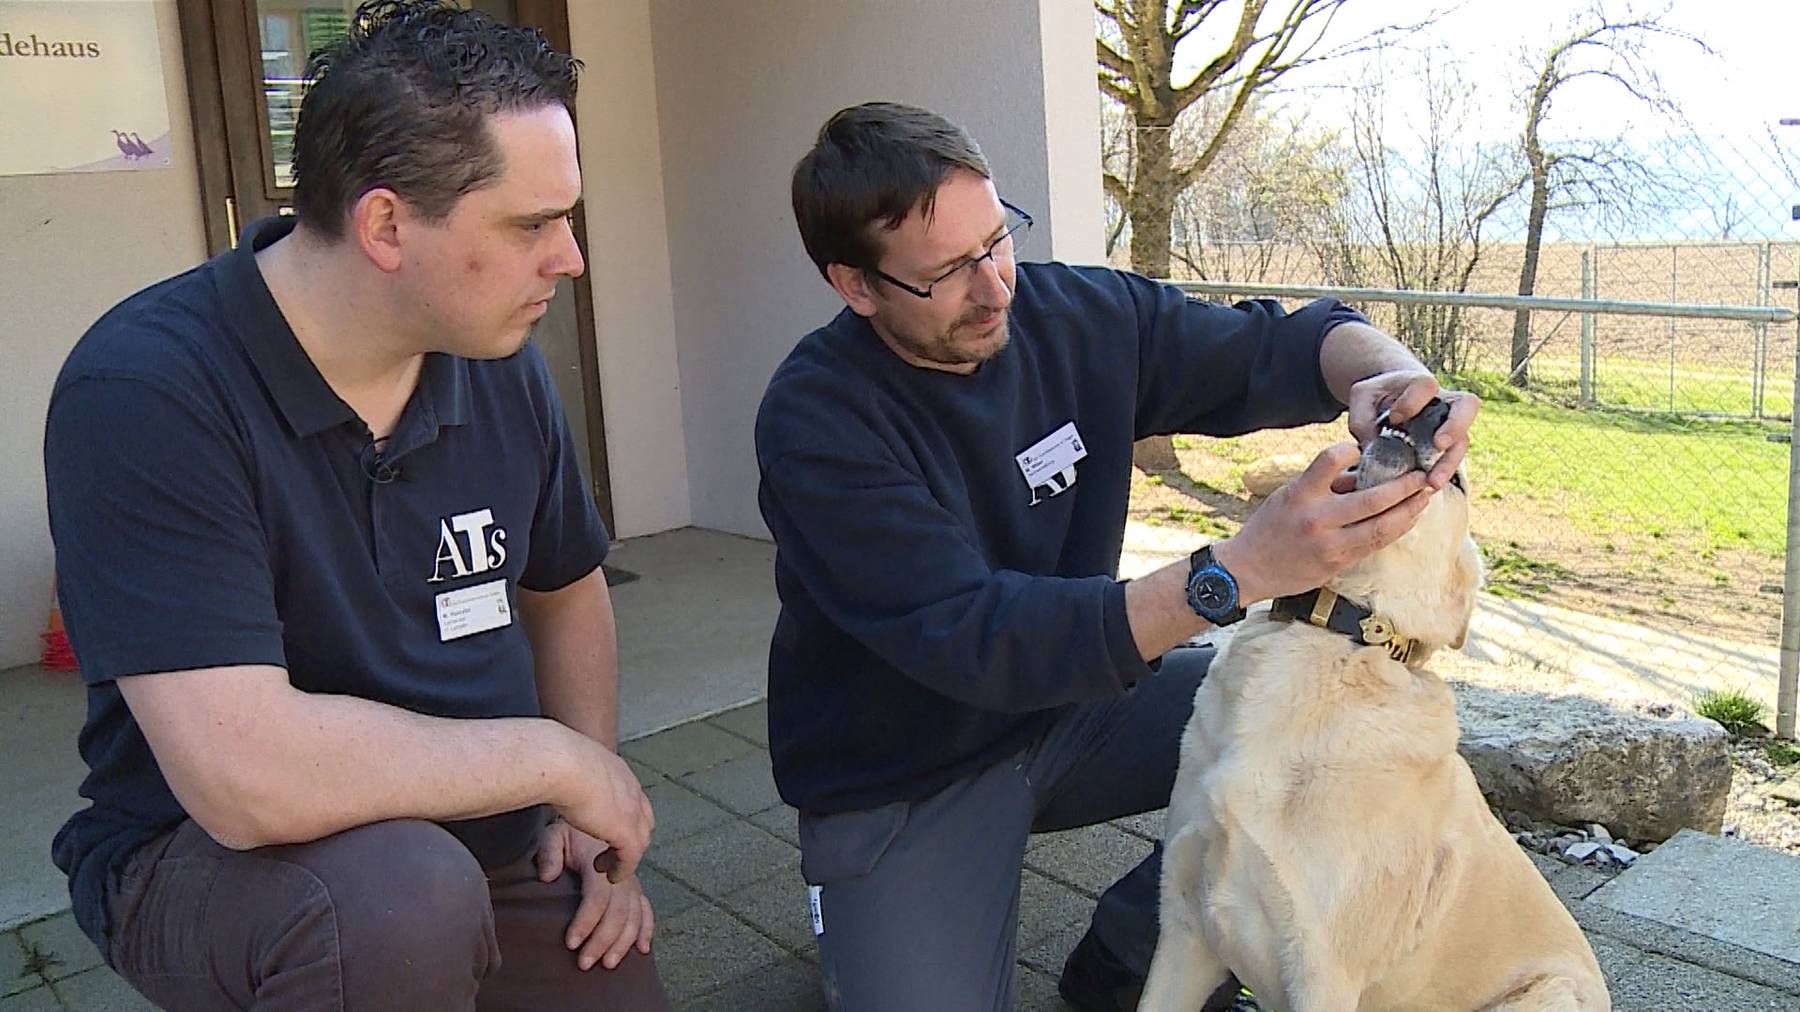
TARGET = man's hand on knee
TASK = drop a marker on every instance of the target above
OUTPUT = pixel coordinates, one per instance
(612, 917)
(600, 796)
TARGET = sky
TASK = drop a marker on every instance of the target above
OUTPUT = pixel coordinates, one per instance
(1732, 96)
(1749, 80)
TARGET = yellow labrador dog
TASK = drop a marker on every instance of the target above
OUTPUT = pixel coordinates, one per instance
(1325, 842)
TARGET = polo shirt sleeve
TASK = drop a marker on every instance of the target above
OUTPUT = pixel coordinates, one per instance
(161, 559)
(568, 539)
(1216, 370)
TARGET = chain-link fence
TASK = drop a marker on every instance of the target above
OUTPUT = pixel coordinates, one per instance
(1701, 366)
(1621, 539)
(1631, 466)
(1706, 366)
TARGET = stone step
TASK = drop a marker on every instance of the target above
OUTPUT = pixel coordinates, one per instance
(1717, 887)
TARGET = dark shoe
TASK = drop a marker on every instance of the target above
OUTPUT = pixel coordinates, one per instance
(1094, 981)
(1241, 1001)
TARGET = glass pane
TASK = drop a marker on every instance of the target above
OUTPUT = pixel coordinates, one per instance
(291, 30)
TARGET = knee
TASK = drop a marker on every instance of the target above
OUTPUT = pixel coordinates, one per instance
(427, 882)
(415, 897)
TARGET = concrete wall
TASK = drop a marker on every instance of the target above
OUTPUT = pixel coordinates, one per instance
(1071, 122)
(628, 263)
(743, 89)
(72, 245)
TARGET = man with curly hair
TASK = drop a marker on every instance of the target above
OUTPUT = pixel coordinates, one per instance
(333, 575)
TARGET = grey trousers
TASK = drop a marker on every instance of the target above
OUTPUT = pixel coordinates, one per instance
(916, 904)
(391, 916)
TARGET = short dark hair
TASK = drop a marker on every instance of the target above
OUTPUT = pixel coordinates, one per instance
(401, 102)
(873, 162)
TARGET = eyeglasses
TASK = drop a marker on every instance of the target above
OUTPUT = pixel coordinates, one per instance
(1017, 223)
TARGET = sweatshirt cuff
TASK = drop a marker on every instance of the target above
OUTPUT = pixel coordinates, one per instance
(1120, 645)
(1336, 316)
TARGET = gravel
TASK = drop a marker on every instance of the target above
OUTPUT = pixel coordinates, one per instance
(1753, 812)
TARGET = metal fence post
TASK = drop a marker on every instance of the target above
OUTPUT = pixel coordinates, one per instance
(1674, 286)
(1759, 351)
(1587, 330)
(1790, 588)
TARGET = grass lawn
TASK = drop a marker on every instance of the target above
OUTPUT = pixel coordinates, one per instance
(1672, 520)
(1659, 475)
(1644, 385)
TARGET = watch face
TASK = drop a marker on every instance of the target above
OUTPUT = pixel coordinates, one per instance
(1212, 591)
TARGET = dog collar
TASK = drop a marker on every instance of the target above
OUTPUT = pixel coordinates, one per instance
(1325, 609)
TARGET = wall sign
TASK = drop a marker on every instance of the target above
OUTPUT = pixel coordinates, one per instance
(81, 87)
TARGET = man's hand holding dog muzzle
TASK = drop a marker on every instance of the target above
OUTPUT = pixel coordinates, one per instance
(1307, 532)
(1403, 393)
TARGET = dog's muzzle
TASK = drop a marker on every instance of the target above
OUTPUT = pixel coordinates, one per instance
(1409, 446)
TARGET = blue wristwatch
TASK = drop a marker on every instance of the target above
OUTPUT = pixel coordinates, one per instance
(1211, 590)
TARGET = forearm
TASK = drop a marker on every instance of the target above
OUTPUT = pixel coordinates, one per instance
(575, 652)
(1353, 352)
(356, 762)
(295, 766)
(1162, 619)
(1157, 606)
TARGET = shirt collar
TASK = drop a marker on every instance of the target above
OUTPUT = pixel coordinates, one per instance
(304, 399)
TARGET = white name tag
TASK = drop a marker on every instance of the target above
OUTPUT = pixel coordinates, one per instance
(1049, 465)
(818, 916)
(472, 610)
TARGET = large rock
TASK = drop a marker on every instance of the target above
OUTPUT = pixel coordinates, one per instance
(1266, 474)
(1574, 761)
(1154, 455)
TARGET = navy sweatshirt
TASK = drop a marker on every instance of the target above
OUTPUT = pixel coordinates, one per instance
(936, 610)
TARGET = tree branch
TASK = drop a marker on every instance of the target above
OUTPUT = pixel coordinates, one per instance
(1112, 60)
(1116, 188)
(1189, 16)
(1119, 93)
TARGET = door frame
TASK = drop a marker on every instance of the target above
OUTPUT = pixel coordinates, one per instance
(220, 126)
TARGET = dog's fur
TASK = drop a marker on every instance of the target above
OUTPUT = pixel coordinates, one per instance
(1325, 841)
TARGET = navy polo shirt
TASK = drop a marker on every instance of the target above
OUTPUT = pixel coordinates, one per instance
(214, 503)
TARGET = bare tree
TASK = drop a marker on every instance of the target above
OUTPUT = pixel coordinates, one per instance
(1594, 174)
(1137, 45)
(1421, 196)
(1115, 161)
(1789, 168)
(1727, 214)
(1274, 181)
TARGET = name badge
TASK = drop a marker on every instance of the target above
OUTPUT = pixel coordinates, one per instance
(1049, 465)
(473, 610)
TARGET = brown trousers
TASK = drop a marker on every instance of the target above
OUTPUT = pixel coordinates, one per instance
(395, 915)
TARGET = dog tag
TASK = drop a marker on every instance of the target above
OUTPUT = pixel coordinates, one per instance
(1375, 631)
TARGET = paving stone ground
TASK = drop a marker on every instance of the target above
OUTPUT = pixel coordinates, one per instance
(734, 936)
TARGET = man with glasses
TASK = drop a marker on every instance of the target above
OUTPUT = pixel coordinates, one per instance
(945, 468)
